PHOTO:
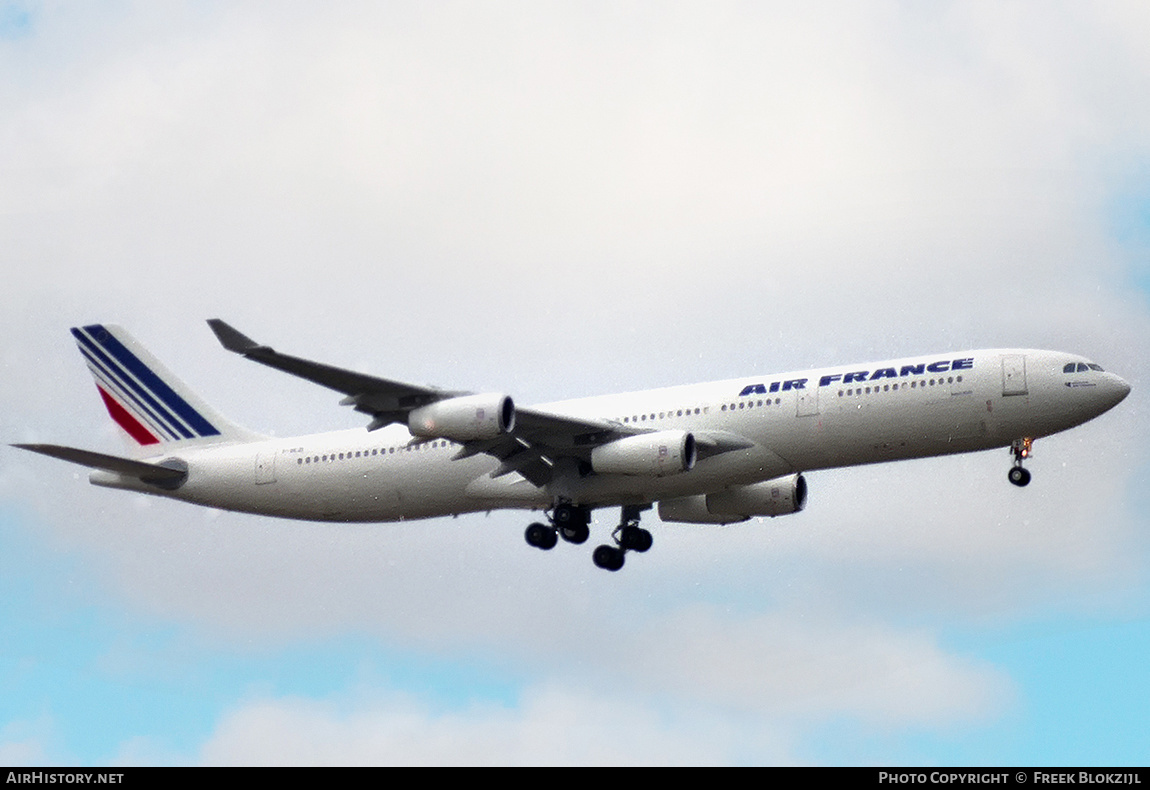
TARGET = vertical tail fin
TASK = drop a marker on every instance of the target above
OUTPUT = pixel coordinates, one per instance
(153, 407)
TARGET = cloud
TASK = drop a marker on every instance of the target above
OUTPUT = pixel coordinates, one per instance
(551, 726)
(27, 742)
(695, 688)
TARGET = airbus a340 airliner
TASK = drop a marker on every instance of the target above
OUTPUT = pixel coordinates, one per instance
(705, 454)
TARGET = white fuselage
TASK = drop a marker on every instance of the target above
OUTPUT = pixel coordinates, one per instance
(831, 417)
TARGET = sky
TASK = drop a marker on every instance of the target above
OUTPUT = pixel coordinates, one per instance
(556, 200)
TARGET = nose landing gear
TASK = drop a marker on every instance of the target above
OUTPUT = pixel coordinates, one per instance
(1020, 449)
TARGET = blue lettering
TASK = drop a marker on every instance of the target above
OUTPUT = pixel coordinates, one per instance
(859, 376)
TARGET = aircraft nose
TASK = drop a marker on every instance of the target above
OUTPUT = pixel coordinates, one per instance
(1118, 388)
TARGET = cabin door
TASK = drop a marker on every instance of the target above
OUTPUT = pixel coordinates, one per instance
(265, 468)
(807, 402)
(1013, 374)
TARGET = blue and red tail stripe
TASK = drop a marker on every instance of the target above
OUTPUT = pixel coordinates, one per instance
(125, 420)
(136, 397)
(113, 384)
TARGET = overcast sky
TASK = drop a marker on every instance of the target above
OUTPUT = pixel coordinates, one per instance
(557, 200)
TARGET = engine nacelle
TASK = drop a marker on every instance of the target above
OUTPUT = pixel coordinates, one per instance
(465, 418)
(778, 497)
(647, 455)
(692, 510)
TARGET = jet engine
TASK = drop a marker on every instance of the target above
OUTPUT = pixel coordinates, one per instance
(648, 454)
(778, 497)
(465, 418)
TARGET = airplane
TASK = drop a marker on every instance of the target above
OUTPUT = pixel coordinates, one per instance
(715, 453)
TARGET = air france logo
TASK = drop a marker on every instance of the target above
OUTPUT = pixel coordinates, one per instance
(854, 377)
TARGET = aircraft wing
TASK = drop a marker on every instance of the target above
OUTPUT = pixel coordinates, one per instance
(541, 438)
(538, 441)
(385, 400)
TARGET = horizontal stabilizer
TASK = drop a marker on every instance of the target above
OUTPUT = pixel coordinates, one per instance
(149, 473)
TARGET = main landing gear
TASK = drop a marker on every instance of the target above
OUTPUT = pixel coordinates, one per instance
(571, 522)
(1020, 449)
(628, 536)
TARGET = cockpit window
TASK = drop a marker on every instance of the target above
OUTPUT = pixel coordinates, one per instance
(1080, 367)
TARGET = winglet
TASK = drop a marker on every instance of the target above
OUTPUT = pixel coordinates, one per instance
(231, 338)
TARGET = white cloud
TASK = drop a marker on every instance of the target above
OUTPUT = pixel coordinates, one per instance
(552, 726)
(27, 742)
(693, 688)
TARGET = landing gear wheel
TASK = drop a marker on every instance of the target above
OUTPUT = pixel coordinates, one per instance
(608, 558)
(575, 533)
(634, 538)
(1019, 476)
(572, 522)
(565, 514)
(541, 537)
